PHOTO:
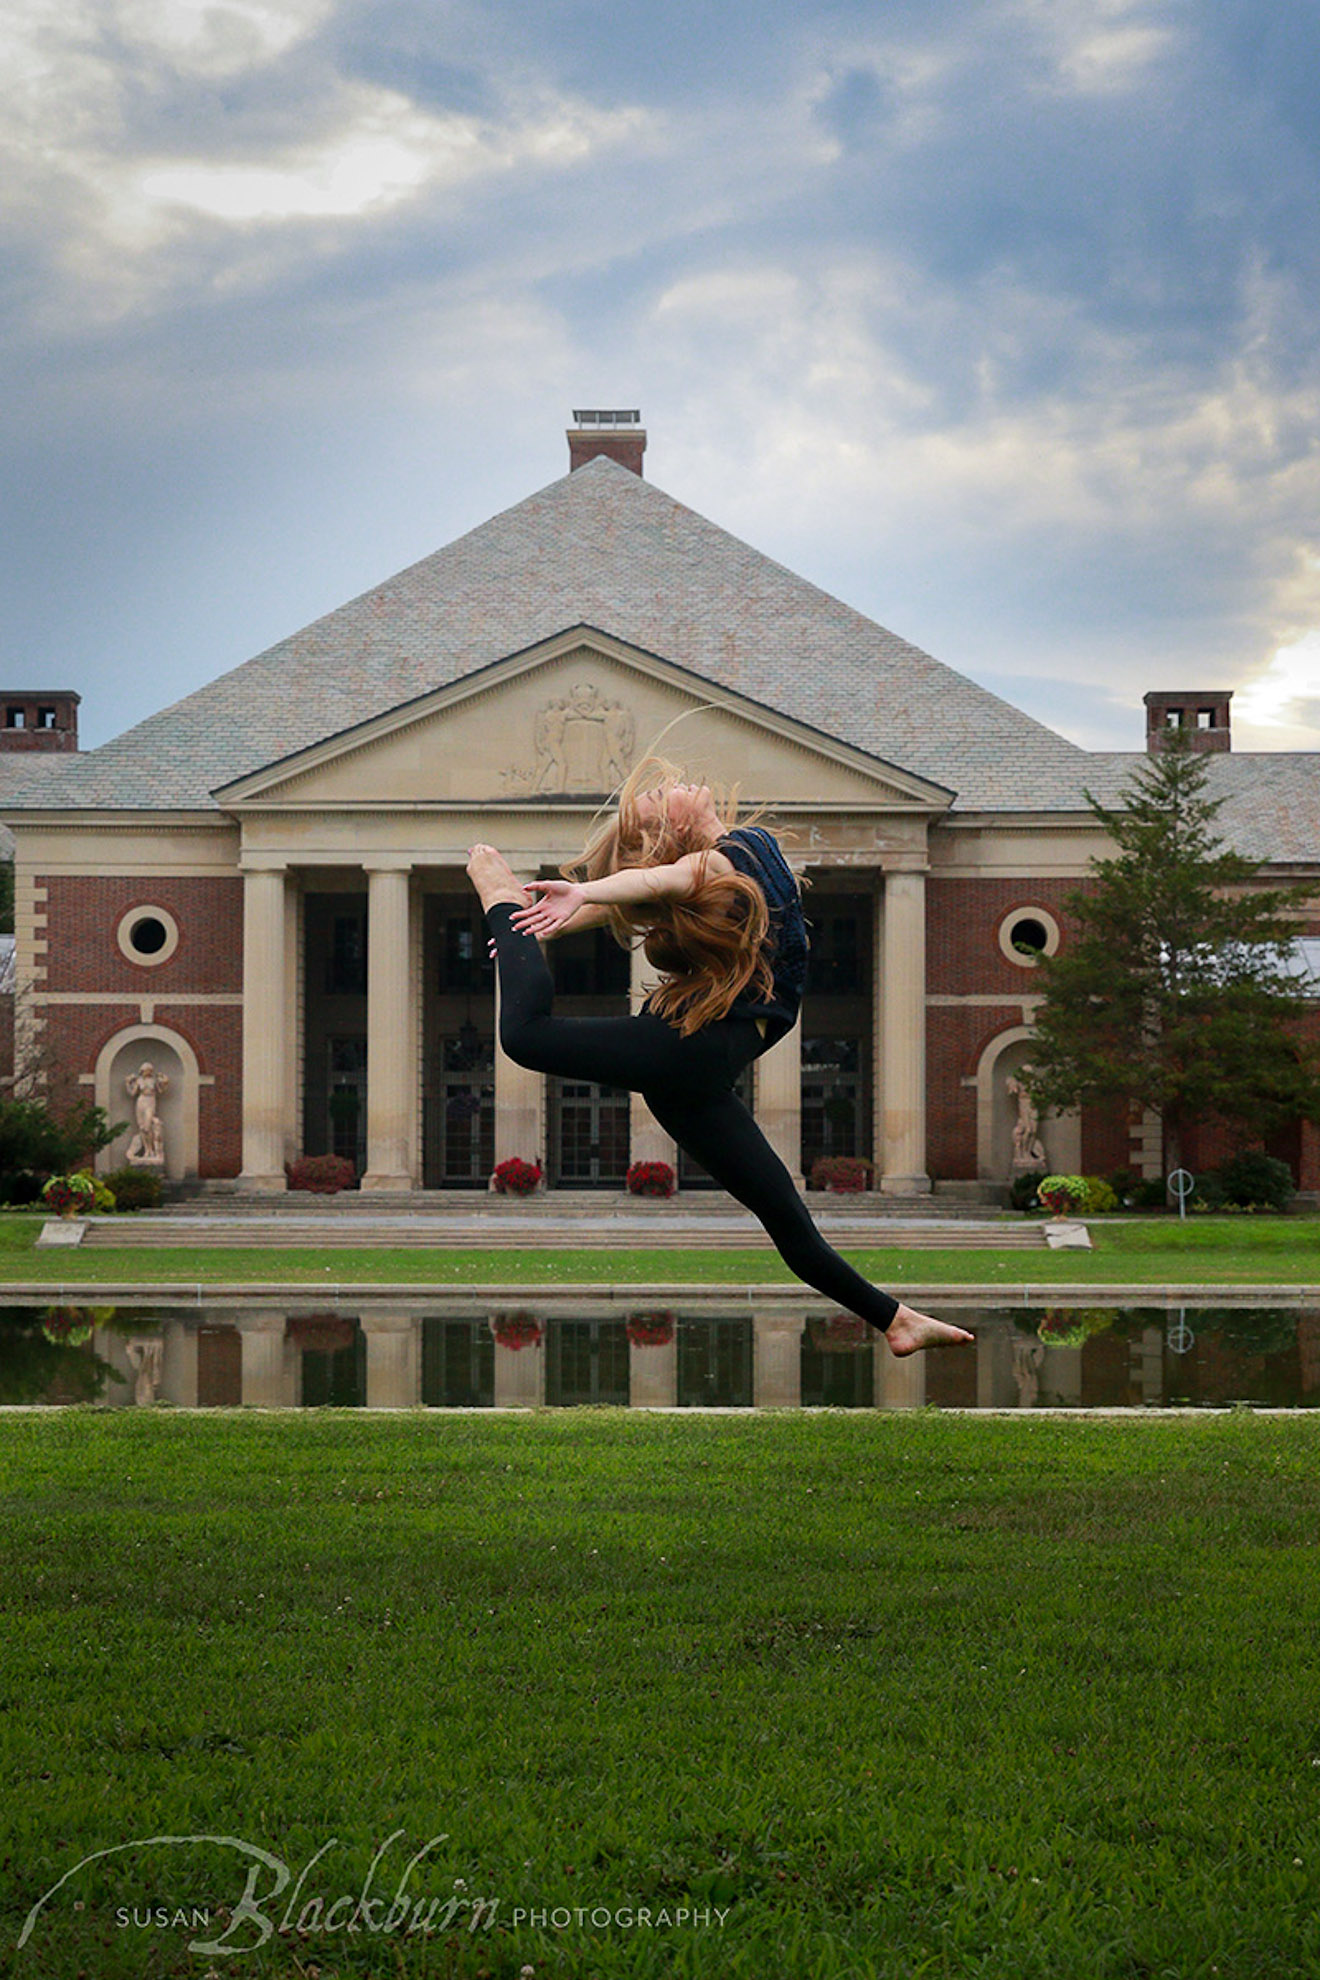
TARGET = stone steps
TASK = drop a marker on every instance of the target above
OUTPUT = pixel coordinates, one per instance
(558, 1205)
(287, 1230)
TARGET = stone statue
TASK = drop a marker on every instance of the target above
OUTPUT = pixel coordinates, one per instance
(620, 731)
(1028, 1148)
(1027, 1357)
(147, 1147)
(581, 742)
(145, 1357)
(548, 737)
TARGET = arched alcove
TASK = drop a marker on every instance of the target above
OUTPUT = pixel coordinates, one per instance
(171, 1055)
(997, 1112)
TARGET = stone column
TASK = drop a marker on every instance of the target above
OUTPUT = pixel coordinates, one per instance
(519, 1096)
(903, 1034)
(900, 1381)
(389, 1035)
(179, 1376)
(653, 1375)
(519, 1376)
(779, 1099)
(264, 1017)
(394, 1378)
(294, 1041)
(647, 1140)
(777, 1360)
(265, 1362)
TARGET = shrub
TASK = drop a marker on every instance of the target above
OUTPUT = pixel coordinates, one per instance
(1209, 1192)
(103, 1199)
(33, 1141)
(1257, 1181)
(1022, 1195)
(1099, 1196)
(1152, 1193)
(324, 1175)
(135, 1189)
(844, 1174)
(1125, 1183)
(20, 1189)
(650, 1179)
(516, 1177)
(1064, 1195)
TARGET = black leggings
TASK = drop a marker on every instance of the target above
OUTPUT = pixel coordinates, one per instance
(688, 1085)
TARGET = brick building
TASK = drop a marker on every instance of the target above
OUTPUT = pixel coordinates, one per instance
(261, 889)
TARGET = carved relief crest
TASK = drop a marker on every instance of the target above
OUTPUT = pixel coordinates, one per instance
(581, 742)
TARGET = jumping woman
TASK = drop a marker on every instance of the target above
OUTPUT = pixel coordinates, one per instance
(719, 915)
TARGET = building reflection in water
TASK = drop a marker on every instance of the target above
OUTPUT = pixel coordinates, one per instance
(448, 1353)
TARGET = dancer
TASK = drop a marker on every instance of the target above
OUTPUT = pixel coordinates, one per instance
(719, 914)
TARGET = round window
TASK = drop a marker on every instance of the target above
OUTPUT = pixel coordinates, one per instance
(1027, 934)
(148, 935)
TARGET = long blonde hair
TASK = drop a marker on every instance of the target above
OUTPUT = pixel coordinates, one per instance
(709, 947)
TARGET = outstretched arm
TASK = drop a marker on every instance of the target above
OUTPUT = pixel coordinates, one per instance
(633, 886)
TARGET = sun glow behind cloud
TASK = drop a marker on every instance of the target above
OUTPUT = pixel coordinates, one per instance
(1282, 704)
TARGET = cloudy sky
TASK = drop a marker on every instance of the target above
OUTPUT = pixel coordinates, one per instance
(994, 317)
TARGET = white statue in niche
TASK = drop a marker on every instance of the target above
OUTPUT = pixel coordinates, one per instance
(1028, 1148)
(147, 1147)
(145, 1356)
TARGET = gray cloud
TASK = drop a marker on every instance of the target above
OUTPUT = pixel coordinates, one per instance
(995, 318)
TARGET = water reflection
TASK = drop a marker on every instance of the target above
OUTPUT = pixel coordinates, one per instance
(453, 1353)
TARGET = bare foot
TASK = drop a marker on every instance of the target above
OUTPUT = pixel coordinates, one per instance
(493, 877)
(909, 1332)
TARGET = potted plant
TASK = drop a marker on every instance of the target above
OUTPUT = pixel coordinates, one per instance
(69, 1196)
(651, 1329)
(650, 1179)
(517, 1330)
(1064, 1195)
(516, 1177)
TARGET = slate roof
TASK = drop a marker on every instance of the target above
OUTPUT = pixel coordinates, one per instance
(603, 548)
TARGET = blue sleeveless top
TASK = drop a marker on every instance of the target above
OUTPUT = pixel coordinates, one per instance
(756, 854)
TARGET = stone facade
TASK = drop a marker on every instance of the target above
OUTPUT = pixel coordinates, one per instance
(288, 933)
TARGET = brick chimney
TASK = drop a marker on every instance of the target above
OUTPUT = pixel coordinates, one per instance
(45, 719)
(1203, 714)
(620, 436)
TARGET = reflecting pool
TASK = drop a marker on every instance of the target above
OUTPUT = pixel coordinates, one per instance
(447, 1352)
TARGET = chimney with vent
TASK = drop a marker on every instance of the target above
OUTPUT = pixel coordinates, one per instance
(45, 718)
(1203, 715)
(620, 436)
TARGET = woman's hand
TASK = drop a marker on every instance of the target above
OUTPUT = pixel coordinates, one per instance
(561, 901)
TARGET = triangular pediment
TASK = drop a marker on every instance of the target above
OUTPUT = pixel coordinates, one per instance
(566, 720)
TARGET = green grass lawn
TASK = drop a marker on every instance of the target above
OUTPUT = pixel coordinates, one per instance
(899, 1695)
(1155, 1251)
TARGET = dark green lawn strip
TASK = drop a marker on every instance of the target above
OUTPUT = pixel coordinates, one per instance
(910, 1695)
(1215, 1251)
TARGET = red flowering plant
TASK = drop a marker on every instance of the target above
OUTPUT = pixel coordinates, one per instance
(845, 1174)
(517, 1330)
(67, 1326)
(69, 1196)
(323, 1332)
(650, 1179)
(1072, 1327)
(1064, 1195)
(324, 1175)
(516, 1177)
(651, 1329)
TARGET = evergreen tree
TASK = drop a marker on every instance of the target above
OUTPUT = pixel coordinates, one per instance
(1176, 993)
